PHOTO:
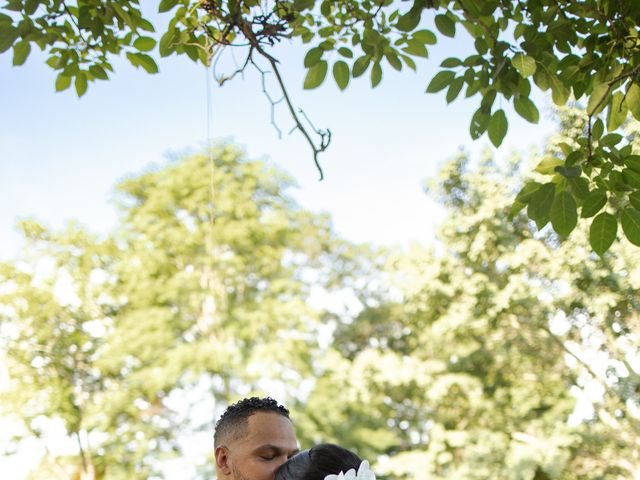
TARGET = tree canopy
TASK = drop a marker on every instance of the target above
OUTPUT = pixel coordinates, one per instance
(498, 352)
(586, 51)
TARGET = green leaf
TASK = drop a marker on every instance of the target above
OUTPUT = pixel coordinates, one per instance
(416, 48)
(8, 35)
(548, 164)
(611, 139)
(411, 19)
(631, 225)
(144, 44)
(440, 81)
(564, 213)
(479, 123)
(446, 26)
(559, 92)
(602, 233)
(62, 82)
(527, 191)
(345, 52)
(451, 62)
(634, 200)
(360, 66)
(526, 109)
(316, 75)
(498, 126)
(425, 36)
(594, 203)
(597, 129)
(617, 111)
(633, 100)
(525, 65)
(144, 61)
(394, 61)
(167, 41)
(631, 178)
(21, 51)
(454, 89)
(166, 5)
(313, 56)
(540, 204)
(633, 162)
(376, 74)
(579, 187)
(597, 100)
(98, 72)
(81, 84)
(341, 74)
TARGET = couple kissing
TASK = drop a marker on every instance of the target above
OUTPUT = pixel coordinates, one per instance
(254, 439)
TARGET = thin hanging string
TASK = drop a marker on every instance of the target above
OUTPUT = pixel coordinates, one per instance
(210, 148)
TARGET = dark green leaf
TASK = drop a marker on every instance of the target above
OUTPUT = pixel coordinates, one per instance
(479, 123)
(498, 126)
(564, 213)
(360, 65)
(540, 204)
(603, 232)
(526, 109)
(440, 81)
(594, 203)
(631, 224)
(454, 89)
(446, 26)
(631, 178)
(579, 187)
(633, 162)
(597, 129)
(634, 200)
(451, 62)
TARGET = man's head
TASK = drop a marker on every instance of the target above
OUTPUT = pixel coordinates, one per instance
(252, 439)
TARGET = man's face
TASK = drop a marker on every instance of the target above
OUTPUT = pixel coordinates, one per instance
(269, 442)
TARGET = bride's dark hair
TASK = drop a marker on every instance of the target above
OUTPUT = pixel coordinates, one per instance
(318, 462)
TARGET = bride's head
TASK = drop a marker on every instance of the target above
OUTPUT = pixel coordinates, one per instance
(318, 462)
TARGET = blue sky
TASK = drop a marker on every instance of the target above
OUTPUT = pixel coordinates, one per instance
(61, 156)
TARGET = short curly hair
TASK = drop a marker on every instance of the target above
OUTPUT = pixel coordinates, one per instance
(233, 422)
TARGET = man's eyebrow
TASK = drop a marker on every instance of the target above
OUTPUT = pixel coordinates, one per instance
(275, 448)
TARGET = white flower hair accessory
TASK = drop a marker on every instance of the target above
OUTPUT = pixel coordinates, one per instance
(364, 473)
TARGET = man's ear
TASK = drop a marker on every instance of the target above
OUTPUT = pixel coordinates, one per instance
(222, 460)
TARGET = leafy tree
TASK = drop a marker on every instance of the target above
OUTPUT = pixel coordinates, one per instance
(469, 368)
(204, 282)
(587, 50)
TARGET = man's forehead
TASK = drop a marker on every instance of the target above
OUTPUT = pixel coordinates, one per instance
(270, 429)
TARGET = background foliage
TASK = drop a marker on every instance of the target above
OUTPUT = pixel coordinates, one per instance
(588, 51)
(500, 351)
